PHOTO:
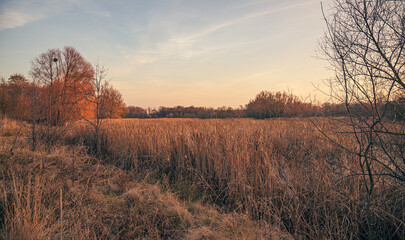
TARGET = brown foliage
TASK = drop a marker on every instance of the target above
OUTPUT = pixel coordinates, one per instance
(279, 104)
(112, 104)
(63, 89)
(66, 77)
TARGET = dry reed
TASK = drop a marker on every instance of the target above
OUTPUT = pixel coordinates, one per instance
(279, 170)
(45, 196)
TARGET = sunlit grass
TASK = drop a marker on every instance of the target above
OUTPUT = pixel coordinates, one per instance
(280, 170)
(183, 178)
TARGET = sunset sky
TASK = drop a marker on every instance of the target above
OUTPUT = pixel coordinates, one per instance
(181, 52)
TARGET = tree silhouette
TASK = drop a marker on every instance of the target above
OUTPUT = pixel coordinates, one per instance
(365, 45)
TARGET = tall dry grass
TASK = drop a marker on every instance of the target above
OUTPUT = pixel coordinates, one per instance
(64, 193)
(280, 170)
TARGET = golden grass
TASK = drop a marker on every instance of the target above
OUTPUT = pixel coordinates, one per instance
(65, 193)
(281, 171)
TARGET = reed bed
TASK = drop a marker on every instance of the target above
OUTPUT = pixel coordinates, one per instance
(64, 193)
(282, 171)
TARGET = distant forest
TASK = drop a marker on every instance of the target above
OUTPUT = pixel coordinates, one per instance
(16, 101)
(265, 105)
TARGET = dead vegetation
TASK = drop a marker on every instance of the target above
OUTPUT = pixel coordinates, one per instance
(190, 179)
(65, 193)
(281, 171)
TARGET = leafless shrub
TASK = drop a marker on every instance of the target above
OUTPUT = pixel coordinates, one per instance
(364, 44)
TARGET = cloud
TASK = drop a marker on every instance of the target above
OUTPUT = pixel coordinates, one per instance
(12, 18)
(191, 52)
(19, 13)
(186, 46)
(190, 39)
(249, 17)
(94, 8)
(100, 13)
(196, 44)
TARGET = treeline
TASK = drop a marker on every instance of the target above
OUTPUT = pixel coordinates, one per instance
(62, 87)
(183, 112)
(268, 105)
(265, 105)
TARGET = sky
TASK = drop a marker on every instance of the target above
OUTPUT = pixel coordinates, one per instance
(208, 53)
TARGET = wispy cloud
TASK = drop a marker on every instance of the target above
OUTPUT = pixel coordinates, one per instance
(191, 52)
(19, 13)
(190, 45)
(11, 18)
(100, 13)
(248, 17)
(94, 8)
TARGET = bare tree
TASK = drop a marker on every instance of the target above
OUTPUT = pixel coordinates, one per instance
(45, 71)
(93, 95)
(60, 72)
(364, 44)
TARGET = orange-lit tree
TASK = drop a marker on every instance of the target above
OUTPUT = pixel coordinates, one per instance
(17, 98)
(60, 73)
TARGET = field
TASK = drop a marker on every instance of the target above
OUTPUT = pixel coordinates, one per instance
(192, 179)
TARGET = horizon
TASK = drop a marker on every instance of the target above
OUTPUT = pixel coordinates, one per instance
(177, 53)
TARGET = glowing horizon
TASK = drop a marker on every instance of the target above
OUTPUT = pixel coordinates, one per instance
(169, 53)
